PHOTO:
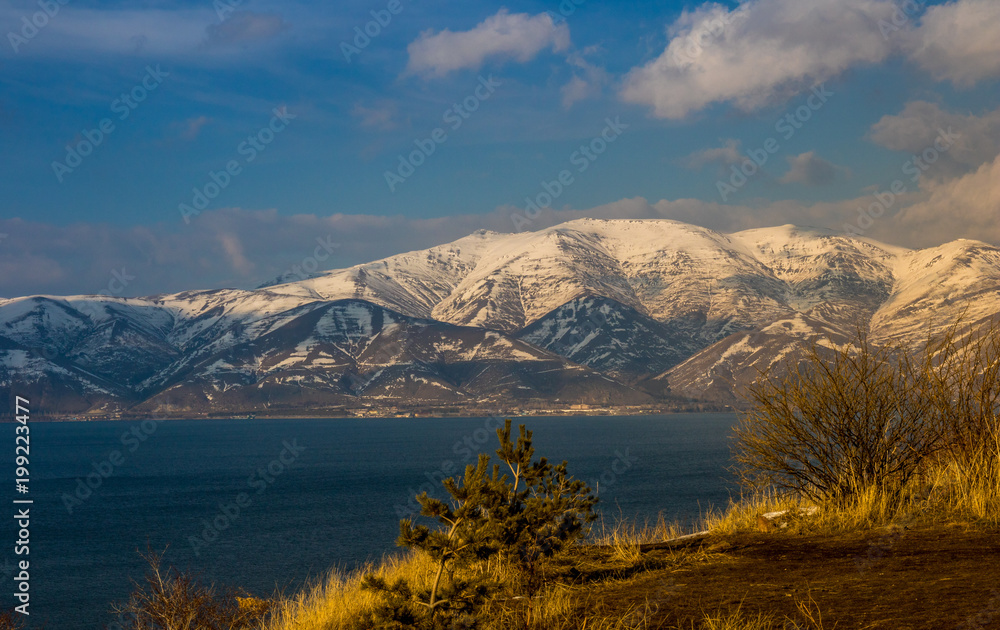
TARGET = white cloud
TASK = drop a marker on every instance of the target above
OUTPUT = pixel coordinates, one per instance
(576, 89)
(757, 53)
(239, 248)
(920, 123)
(517, 36)
(233, 248)
(809, 169)
(725, 155)
(966, 206)
(588, 79)
(152, 32)
(958, 41)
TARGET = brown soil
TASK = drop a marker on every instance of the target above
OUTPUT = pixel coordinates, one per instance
(943, 578)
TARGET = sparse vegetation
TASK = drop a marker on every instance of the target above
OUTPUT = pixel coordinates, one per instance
(872, 434)
(851, 451)
(170, 600)
(10, 620)
(520, 520)
(839, 422)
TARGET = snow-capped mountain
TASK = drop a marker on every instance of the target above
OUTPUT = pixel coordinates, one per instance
(587, 312)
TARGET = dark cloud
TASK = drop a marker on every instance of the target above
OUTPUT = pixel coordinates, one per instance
(920, 124)
(723, 156)
(809, 169)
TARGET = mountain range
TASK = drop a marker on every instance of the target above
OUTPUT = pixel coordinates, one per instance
(625, 315)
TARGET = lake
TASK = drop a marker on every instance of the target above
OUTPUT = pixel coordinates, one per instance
(270, 504)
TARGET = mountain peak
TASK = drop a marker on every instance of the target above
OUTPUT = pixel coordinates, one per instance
(613, 300)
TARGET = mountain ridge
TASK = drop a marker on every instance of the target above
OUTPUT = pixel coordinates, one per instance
(650, 310)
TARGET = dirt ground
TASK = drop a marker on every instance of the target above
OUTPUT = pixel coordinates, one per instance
(945, 578)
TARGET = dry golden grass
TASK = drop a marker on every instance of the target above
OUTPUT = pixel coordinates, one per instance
(968, 490)
(624, 537)
(337, 602)
(945, 492)
(738, 620)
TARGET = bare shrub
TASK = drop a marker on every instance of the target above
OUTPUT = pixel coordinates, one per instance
(170, 600)
(963, 374)
(848, 420)
(838, 422)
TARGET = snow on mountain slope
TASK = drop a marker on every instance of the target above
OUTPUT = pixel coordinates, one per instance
(722, 370)
(822, 266)
(523, 279)
(611, 337)
(899, 295)
(53, 322)
(716, 284)
(681, 271)
(665, 269)
(935, 285)
(685, 302)
(412, 283)
(352, 353)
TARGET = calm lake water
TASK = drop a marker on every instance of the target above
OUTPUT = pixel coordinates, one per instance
(311, 494)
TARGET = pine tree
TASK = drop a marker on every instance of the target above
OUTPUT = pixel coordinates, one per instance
(545, 508)
(524, 518)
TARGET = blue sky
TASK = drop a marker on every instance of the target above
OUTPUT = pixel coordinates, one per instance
(695, 89)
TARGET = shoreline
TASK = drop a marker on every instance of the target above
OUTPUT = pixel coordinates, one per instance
(370, 415)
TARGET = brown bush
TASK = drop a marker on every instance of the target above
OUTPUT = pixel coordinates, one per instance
(170, 600)
(963, 369)
(846, 420)
(837, 422)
